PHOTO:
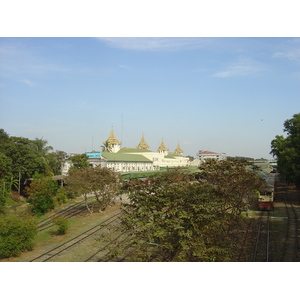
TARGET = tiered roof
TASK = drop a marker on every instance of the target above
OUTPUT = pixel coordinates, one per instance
(178, 150)
(112, 140)
(143, 144)
(162, 146)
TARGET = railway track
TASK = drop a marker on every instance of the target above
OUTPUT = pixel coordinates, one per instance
(245, 239)
(67, 212)
(55, 252)
(262, 245)
(115, 243)
(290, 251)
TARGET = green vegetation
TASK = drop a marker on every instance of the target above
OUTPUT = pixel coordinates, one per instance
(41, 195)
(79, 161)
(63, 225)
(186, 213)
(16, 234)
(21, 158)
(103, 183)
(287, 150)
(188, 220)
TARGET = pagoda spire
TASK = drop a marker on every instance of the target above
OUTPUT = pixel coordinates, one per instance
(162, 148)
(112, 143)
(178, 150)
(143, 144)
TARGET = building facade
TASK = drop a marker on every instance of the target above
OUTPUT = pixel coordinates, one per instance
(206, 155)
(139, 159)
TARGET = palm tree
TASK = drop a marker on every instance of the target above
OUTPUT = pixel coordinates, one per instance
(40, 146)
(106, 147)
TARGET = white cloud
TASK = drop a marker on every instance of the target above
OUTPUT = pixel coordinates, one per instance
(156, 43)
(291, 51)
(293, 54)
(27, 82)
(243, 67)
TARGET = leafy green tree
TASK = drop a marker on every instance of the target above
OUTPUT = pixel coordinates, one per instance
(103, 183)
(41, 195)
(287, 150)
(16, 234)
(39, 145)
(235, 180)
(185, 219)
(55, 160)
(5, 166)
(25, 160)
(79, 161)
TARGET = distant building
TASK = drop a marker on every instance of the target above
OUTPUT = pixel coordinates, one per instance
(127, 162)
(139, 159)
(93, 154)
(205, 155)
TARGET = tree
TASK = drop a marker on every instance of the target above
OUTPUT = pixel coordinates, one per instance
(39, 145)
(55, 160)
(185, 219)
(102, 182)
(25, 161)
(235, 180)
(287, 150)
(16, 234)
(79, 161)
(41, 192)
(106, 147)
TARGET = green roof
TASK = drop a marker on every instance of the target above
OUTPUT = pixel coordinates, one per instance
(131, 150)
(170, 155)
(124, 157)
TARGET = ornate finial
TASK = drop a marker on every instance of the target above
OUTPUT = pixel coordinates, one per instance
(143, 144)
(178, 150)
(162, 148)
(112, 144)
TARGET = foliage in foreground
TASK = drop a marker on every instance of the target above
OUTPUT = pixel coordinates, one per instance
(186, 220)
(16, 234)
(287, 150)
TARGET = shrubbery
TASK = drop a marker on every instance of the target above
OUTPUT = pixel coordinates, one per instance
(41, 193)
(63, 225)
(16, 234)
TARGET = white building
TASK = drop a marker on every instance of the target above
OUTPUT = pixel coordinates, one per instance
(139, 159)
(205, 155)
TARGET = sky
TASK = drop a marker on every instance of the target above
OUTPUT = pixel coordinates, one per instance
(227, 95)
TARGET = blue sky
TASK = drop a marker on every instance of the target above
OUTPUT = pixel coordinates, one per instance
(228, 95)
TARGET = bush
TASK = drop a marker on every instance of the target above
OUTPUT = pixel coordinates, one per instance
(61, 195)
(63, 225)
(16, 234)
(41, 192)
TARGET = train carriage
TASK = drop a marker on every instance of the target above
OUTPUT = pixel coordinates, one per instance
(266, 194)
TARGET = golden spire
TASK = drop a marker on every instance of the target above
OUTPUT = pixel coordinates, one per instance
(162, 147)
(178, 150)
(143, 144)
(112, 140)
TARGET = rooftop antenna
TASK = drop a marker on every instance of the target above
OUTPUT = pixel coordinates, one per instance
(121, 128)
